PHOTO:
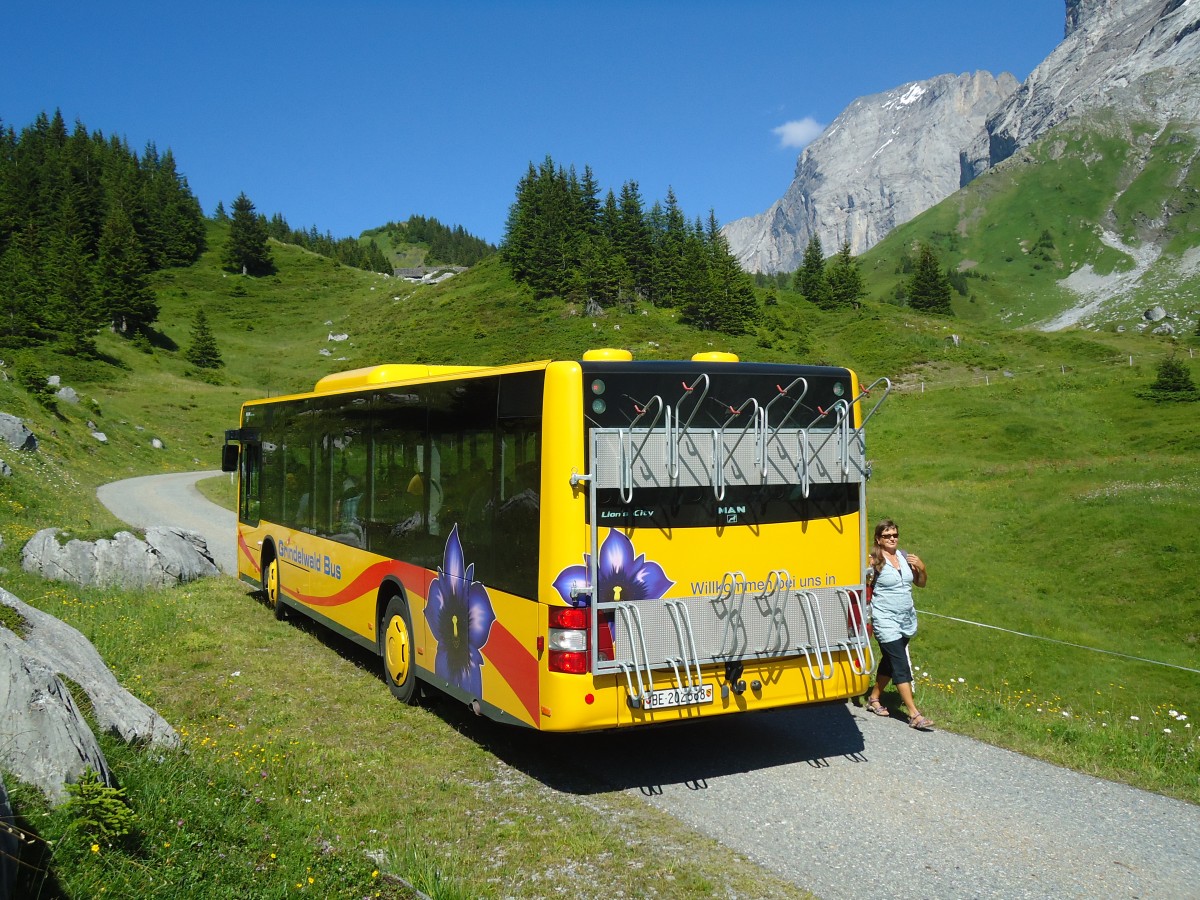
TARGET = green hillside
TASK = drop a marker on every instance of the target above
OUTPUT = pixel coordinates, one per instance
(1090, 202)
(1048, 498)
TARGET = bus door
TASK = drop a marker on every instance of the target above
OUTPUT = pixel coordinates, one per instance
(248, 464)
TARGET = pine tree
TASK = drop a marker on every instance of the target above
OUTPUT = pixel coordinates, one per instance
(928, 288)
(844, 279)
(247, 249)
(1174, 383)
(203, 352)
(633, 238)
(71, 291)
(122, 277)
(810, 277)
(732, 290)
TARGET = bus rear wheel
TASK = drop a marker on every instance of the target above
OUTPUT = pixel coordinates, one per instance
(271, 582)
(397, 649)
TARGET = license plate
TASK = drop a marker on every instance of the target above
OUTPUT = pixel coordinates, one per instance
(681, 696)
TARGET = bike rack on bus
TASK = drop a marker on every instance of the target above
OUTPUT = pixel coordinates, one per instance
(772, 603)
(781, 393)
(840, 410)
(857, 434)
(675, 437)
(628, 456)
(733, 597)
(631, 618)
(861, 646)
(757, 421)
(824, 654)
(687, 643)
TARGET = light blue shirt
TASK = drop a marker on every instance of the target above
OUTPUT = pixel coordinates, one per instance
(892, 610)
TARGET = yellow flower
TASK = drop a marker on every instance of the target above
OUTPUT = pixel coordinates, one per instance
(95, 848)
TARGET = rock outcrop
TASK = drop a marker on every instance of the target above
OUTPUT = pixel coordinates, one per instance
(885, 159)
(46, 741)
(168, 556)
(67, 652)
(14, 433)
(1137, 58)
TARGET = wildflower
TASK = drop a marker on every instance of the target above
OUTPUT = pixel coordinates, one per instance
(460, 616)
(1173, 713)
(95, 848)
(1166, 731)
(1134, 719)
(1066, 714)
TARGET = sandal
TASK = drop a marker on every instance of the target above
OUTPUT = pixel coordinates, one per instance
(873, 705)
(920, 723)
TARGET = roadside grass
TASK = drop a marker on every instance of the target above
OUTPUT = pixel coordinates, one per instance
(299, 772)
(220, 489)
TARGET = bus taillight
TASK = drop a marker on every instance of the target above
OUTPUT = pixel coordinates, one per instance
(568, 640)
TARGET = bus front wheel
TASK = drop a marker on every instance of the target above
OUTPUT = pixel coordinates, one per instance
(398, 669)
(273, 590)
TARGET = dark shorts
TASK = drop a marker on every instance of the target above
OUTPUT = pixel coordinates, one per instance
(893, 661)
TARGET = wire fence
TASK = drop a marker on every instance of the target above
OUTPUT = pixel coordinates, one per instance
(1001, 376)
(1038, 637)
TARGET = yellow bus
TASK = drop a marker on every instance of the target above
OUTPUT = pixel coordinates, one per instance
(576, 544)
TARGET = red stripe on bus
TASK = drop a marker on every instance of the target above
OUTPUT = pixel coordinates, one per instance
(412, 577)
(245, 548)
(516, 665)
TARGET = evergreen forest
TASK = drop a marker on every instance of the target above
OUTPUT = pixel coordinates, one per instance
(562, 240)
(347, 250)
(84, 221)
(447, 246)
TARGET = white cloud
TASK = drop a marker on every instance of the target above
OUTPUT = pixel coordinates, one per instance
(798, 134)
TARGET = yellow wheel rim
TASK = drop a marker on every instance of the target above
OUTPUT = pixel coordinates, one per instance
(273, 582)
(396, 649)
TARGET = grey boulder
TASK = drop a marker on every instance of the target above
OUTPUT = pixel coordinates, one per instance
(168, 556)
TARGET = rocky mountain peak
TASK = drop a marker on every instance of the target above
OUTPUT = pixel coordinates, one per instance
(891, 156)
(884, 159)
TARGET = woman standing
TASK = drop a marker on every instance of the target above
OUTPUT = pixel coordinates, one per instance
(892, 574)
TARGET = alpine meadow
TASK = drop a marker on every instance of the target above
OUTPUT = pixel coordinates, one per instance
(1006, 451)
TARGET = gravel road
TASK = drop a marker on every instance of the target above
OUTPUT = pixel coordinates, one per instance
(174, 500)
(849, 805)
(836, 800)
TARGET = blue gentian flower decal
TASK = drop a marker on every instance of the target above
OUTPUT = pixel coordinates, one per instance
(460, 617)
(623, 576)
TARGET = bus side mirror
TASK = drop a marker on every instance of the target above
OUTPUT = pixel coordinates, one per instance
(229, 458)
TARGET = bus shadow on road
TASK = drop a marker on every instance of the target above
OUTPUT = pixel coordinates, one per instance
(687, 754)
(648, 758)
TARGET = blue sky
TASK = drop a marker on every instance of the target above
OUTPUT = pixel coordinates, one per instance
(347, 115)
